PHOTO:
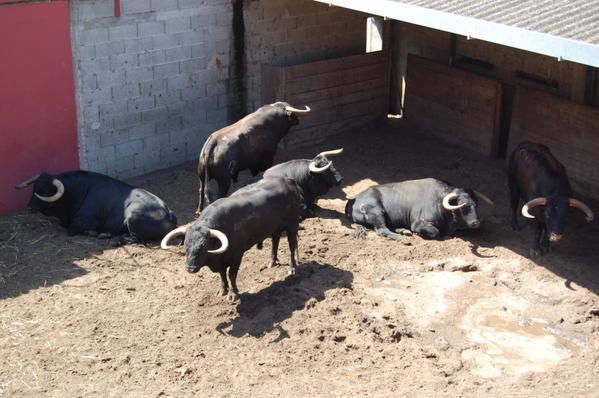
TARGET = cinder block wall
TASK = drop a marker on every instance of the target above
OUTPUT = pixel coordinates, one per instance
(155, 82)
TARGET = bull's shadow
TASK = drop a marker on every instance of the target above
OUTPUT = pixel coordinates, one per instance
(262, 312)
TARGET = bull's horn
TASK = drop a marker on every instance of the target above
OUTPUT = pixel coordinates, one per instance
(330, 153)
(289, 108)
(174, 233)
(316, 169)
(215, 233)
(449, 197)
(582, 207)
(28, 182)
(483, 198)
(532, 203)
(59, 192)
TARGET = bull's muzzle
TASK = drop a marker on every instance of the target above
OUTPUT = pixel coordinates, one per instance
(474, 225)
(192, 269)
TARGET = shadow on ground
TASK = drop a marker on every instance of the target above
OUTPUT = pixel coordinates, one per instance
(262, 312)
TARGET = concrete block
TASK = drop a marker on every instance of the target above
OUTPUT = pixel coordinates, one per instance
(112, 47)
(88, 11)
(110, 78)
(168, 40)
(139, 74)
(177, 82)
(168, 98)
(87, 52)
(113, 137)
(203, 21)
(152, 87)
(89, 82)
(151, 28)
(127, 90)
(167, 69)
(139, 45)
(163, 5)
(203, 49)
(126, 120)
(135, 6)
(123, 61)
(178, 53)
(98, 96)
(141, 104)
(129, 148)
(123, 32)
(169, 125)
(193, 37)
(217, 115)
(124, 167)
(152, 58)
(94, 65)
(93, 36)
(194, 65)
(142, 131)
(180, 24)
(120, 106)
(154, 115)
(192, 93)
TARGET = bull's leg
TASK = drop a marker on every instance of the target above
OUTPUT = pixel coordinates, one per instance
(233, 293)
(376, 218)
(426, 229)
(292, 240)
(224, 285)
(514, 200)
(223, 187)
(80, 225)
(275, 247)
(539, 246)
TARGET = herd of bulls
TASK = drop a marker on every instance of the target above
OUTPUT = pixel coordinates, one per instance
(227, 226)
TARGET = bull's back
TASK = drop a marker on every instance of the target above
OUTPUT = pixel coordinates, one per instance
(254, 214)
(537, 171)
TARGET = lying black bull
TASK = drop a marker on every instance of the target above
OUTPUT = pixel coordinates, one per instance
(250, 143)
(540, 180)
(90, 202)
(264, 209)
(315, 177)
(429, 207)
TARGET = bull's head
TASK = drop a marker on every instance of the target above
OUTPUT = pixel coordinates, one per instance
(288, 112)
(554, 213)
(322, 167)
(463, 204)
(198, 239)
(47, 191)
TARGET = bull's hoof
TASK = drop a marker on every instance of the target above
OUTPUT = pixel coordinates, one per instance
(233, 296)
(406, 242)
(104, 235)
(291, 271)
(222, 291)
(273, 263)
(259, 246)
(404, 232)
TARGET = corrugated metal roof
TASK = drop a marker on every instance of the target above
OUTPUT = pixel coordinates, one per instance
(572, 19)
(565, 29)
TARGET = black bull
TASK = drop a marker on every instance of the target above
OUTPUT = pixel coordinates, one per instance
(261, 210)
(91, 202)
(314, 176)
(429, 207)
(250, 143)
(540, 180)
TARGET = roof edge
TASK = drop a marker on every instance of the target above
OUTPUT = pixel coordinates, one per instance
(561, 48)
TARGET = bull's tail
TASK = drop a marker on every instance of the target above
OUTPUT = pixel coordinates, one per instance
(203, 167)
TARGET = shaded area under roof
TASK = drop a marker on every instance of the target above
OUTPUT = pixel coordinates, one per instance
(565, 29)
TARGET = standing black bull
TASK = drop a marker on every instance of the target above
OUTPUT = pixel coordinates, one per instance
(250, 143)
(90, 202)
(264, 209)
(429, 207)
(540, 180)
(315, 177)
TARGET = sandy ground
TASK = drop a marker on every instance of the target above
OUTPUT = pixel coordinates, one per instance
(464, 316)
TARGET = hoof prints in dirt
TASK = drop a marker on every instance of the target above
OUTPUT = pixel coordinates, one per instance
(261, 312)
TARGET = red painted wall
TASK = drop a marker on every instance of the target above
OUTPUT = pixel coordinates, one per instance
(38, 130)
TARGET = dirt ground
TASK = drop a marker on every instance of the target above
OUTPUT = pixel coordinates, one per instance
(464, 316)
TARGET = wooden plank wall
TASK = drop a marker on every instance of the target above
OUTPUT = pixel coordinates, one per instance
(453, 104)
(343, 93)
(569, 129)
